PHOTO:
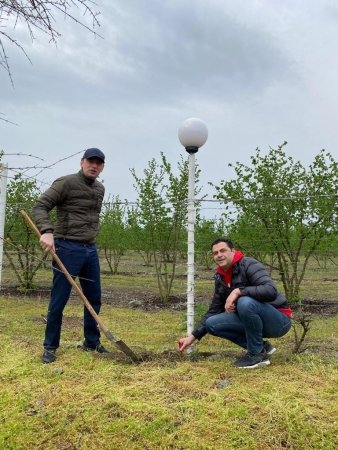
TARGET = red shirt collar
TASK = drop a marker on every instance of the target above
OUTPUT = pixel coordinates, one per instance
(228, 273)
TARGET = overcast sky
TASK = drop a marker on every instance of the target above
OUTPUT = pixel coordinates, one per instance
(258, 72)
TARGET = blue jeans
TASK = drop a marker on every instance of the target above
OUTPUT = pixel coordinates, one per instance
(252, 321)
(80, 260)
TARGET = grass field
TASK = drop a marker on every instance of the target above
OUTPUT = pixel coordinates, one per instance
(169, 401)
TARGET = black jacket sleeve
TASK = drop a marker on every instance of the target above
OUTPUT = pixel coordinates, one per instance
(253, 280)
(216, 306)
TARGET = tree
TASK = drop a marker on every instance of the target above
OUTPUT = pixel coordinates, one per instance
(138, 236)
(112, 236)
(282, 208)
(206, 231)
(39, 15)
(22, 249)
(162, 206)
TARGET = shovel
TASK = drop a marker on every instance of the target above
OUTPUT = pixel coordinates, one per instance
(118, 343)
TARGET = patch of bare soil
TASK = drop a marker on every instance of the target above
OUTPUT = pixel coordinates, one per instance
(130, 298)
(143, 300)
(322, 307)
(159, 357)
(14, 291)
(151, 302)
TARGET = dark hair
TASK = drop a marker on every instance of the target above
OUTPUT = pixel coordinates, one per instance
(227, 241)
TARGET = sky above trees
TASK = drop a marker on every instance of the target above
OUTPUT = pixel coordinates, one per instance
(258, 73)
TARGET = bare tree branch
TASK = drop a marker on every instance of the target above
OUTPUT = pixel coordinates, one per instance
(39, 15)
(23, 154)
(6, 120)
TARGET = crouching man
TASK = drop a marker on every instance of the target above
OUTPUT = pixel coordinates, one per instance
(246, 307)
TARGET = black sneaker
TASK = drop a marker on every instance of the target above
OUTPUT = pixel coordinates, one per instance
(99, 348)
(269, 348)
(250, 361)
(48, 356)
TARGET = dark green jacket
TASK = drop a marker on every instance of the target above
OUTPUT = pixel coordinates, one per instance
(78, 202)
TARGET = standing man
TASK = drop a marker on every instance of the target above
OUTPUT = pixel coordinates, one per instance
(246, 307)
(78, 200)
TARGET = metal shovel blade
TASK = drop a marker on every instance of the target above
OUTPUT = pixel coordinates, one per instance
(121, 345)
(127, 351)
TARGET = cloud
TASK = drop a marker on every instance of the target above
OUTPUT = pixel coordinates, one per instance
(174, 50)
(153, 52)
(257, 72)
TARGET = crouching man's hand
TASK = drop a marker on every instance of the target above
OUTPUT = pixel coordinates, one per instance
(185, 342)
(230, 304)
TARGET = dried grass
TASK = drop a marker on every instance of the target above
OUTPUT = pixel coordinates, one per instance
(169, 401)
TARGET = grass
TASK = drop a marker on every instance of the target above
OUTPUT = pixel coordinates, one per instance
(170, 401)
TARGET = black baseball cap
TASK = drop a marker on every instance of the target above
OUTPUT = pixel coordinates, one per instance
(93, 153)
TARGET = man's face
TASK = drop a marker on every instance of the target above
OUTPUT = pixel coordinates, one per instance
(92, 167)
(223, 255)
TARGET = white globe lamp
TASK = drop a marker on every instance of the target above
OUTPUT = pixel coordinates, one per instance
(193, 134)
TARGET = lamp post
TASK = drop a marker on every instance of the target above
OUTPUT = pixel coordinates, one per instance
(193, 133)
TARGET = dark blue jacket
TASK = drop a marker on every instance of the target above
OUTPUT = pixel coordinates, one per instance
(251, 277)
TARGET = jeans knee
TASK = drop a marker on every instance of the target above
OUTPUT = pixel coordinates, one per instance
(245, 305)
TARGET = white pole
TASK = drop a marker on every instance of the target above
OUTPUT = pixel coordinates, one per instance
(193, 133)
(3, 190)
(191, 249)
